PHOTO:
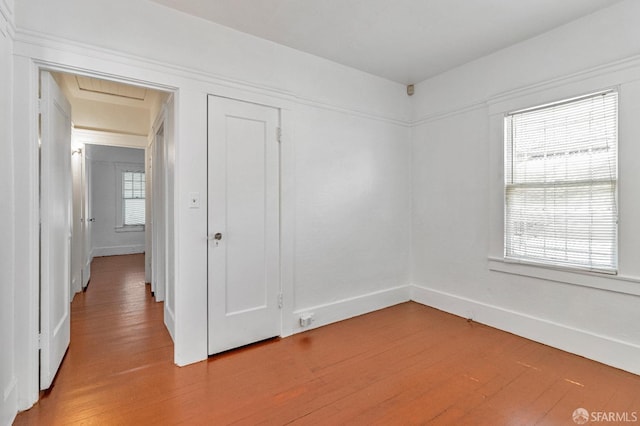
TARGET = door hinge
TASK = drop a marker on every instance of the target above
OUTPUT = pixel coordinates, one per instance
(39, 340)
(280, 301)
(279, 134)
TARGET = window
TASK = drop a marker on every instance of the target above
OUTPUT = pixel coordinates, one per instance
(133, 185)
(561, 183)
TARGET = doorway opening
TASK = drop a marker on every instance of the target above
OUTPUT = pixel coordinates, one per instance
(110, 146)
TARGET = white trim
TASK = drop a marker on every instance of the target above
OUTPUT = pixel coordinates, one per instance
(440, 115)
(27, 194)
(614, 76)
(117, 250)
(25, 119)
(85, 267)
(627, 67)
(98, 137)
(170, 322)
(7, 24)
(9, 389)
(26, 38)
(351, 307)
(8, 407)
(614, 283)
(613, 352)
(130, 228)
(287, 219)
(500, 102)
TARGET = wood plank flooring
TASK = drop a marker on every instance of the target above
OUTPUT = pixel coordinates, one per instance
(408, 364)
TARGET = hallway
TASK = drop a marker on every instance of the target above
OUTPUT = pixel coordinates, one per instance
(117, 335)
(407, 364)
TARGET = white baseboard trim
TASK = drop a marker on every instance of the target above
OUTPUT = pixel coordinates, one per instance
(352, 307)
(76, 286)
(613, 352)
(9, 406)
(117, 250)
(169, 322)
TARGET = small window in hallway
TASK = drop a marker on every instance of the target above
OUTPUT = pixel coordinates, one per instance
(133, 198)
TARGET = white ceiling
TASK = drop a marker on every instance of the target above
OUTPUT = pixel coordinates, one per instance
(402, 40)
(110, 107)
(109, 92)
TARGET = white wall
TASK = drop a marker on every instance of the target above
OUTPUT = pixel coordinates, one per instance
(347, 168)
(8, 401)
(458, 195)
(352, 207)
(106, 240)
(333, 117)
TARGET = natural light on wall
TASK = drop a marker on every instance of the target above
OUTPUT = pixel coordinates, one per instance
(561, 183)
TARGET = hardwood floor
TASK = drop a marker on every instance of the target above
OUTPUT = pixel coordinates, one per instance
(408, 364)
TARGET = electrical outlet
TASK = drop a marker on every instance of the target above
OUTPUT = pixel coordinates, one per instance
(306, 320)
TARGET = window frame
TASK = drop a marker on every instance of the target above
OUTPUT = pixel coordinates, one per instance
(622, 77)
(508, 170)
(122, 168)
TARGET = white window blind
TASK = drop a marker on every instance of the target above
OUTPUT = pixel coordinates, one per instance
(133, 187)
(561, 183)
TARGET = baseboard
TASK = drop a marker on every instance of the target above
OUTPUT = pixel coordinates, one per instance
(169, 322)
(613, 352)
(76, 285)
(351, 307)
(9, 406)
(117, 250)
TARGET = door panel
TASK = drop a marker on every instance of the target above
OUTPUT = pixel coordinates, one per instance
(245, 211)
(55, 237)
(244, 280)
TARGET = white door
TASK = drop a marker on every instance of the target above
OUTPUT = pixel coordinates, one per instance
(148, 219)
(243, 223)
(159, 214)
(77, 228)
(55, 222)
(88, 218)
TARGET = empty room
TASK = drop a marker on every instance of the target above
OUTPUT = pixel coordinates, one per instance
(327, 212)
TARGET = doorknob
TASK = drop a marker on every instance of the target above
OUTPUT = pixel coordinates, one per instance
(217, 237)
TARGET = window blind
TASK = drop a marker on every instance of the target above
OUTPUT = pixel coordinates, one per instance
(133, 194)
(561, 183)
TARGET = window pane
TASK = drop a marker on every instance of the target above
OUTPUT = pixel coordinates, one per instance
(561, 183)
(134, 212)
(133, 185)
(133, 194)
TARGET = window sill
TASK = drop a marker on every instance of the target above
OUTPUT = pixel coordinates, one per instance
(615, 283)
(130, 228)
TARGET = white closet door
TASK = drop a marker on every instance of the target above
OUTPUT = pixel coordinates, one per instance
(243, 222)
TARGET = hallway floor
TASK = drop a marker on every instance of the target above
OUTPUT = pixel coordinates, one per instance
(408, 364)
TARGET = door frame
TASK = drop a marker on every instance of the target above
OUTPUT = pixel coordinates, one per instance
(289, 317)
(158, 210)
(187, 87)
(30, 89)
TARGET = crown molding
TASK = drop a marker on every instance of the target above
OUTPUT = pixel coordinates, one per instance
(27, 39)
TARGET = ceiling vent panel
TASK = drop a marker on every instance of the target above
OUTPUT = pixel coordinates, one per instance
(94, 85)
